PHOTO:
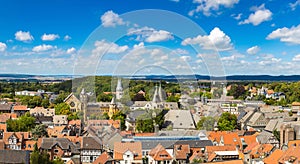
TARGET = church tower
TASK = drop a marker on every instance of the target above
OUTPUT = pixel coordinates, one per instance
(119, 90)
(112, 108)
(84, 101)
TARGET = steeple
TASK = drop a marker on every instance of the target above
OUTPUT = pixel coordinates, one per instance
(119, 89)
(156, 97)
(161, 93)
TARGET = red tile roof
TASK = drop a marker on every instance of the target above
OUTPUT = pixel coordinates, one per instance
(274, 157)
(103, 158)
(20, 107)
(121, 147)
(159, 153)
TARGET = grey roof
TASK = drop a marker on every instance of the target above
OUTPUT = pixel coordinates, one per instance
(246, 117)
(274, 124)
(5, 107)
(132, 116)
(63, 143)
(255, 117)
(91, 143)
(14, 156)
(180, 119)
(264, 137)
(148, 145)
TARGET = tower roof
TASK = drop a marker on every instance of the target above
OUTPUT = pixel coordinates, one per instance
(119, 85)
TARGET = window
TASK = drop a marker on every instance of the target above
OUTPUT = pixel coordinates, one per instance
(55, 150)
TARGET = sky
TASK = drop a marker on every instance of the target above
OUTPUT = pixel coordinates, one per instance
(137, 37)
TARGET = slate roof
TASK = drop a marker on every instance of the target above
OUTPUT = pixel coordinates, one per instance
(91, 143)
(179, 119)
(19, 156)
(63, 143)
(5, 107)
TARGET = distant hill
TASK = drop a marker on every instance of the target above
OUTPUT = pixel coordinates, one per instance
(27, 77)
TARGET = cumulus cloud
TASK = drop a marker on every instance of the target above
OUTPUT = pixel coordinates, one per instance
(43, 47)
(253, 50)
(111, 19)
(23, 36)
(216, 40)
(71, 50)
(49, 37)
(103, 46)
(296, 58)
(288, 35)
(2, 47)
(237, 17)
(261, 14)
(150, 35)
(293, 6)
(209, 6)
(185, 58)
(67, 37)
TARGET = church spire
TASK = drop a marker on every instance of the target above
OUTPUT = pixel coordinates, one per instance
(156, 97)
(119, 89)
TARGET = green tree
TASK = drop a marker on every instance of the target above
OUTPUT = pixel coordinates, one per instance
(37, 157)
(120, 116)
(22, 124)
(39, 131)
(206, 123)
(276, 133)
(227, 122)
(62, 109)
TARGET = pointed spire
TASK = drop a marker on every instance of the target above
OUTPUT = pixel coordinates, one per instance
(113, 100)
(82, 91)
(161, 93)
(156, 96)
(119, 85)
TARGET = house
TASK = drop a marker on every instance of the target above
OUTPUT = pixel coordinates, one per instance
(41, 111)
(20, 109)
(73, 102)
(15, 140)
(75, 127)
(128, 152)
(60, 120)
(6, 116)
(182, 153)
(291, 155)
(90, 149)
(104, 158)
(218, 153)
(159, 155)
(179, 120)
(60, 147)
(131, 118)
(5, 108)
(58, 131)
(14, 156)
(274, 157)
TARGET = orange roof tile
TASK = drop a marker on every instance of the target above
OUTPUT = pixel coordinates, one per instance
(294, 143)
(159, 153)
(3, 127)
(296, 104)
(274, 157)
(229, 138)
(212, 149)
(121, 147)
(144, 134)
(20, 107)
(29, 145)
(291, 154)
(269, 92)
(75, 122)
(196, 155)
(228, 162)
(19, 135)
(102, 159)
(181, 151)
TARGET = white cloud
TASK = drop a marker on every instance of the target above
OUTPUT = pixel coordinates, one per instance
(67, 37)
(150, 35)
(2, 47)
(232, 57)
(71, 50)
(43, 47)
(261, 14)
(237, 17)
(179, 51)
(216, 40)
(288, 35)
(209, 6)
(296, 58)
(107, 47)
(185, 58)
(111, 19)
(293, 6)
(253, 50)
(49, 37)
(23, 36)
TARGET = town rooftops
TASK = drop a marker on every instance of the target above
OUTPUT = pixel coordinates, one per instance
(91, 143)
(121, 147)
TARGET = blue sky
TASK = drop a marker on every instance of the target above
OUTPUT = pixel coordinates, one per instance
(224, 37)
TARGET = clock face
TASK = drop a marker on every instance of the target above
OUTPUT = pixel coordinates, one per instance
(72, 104)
